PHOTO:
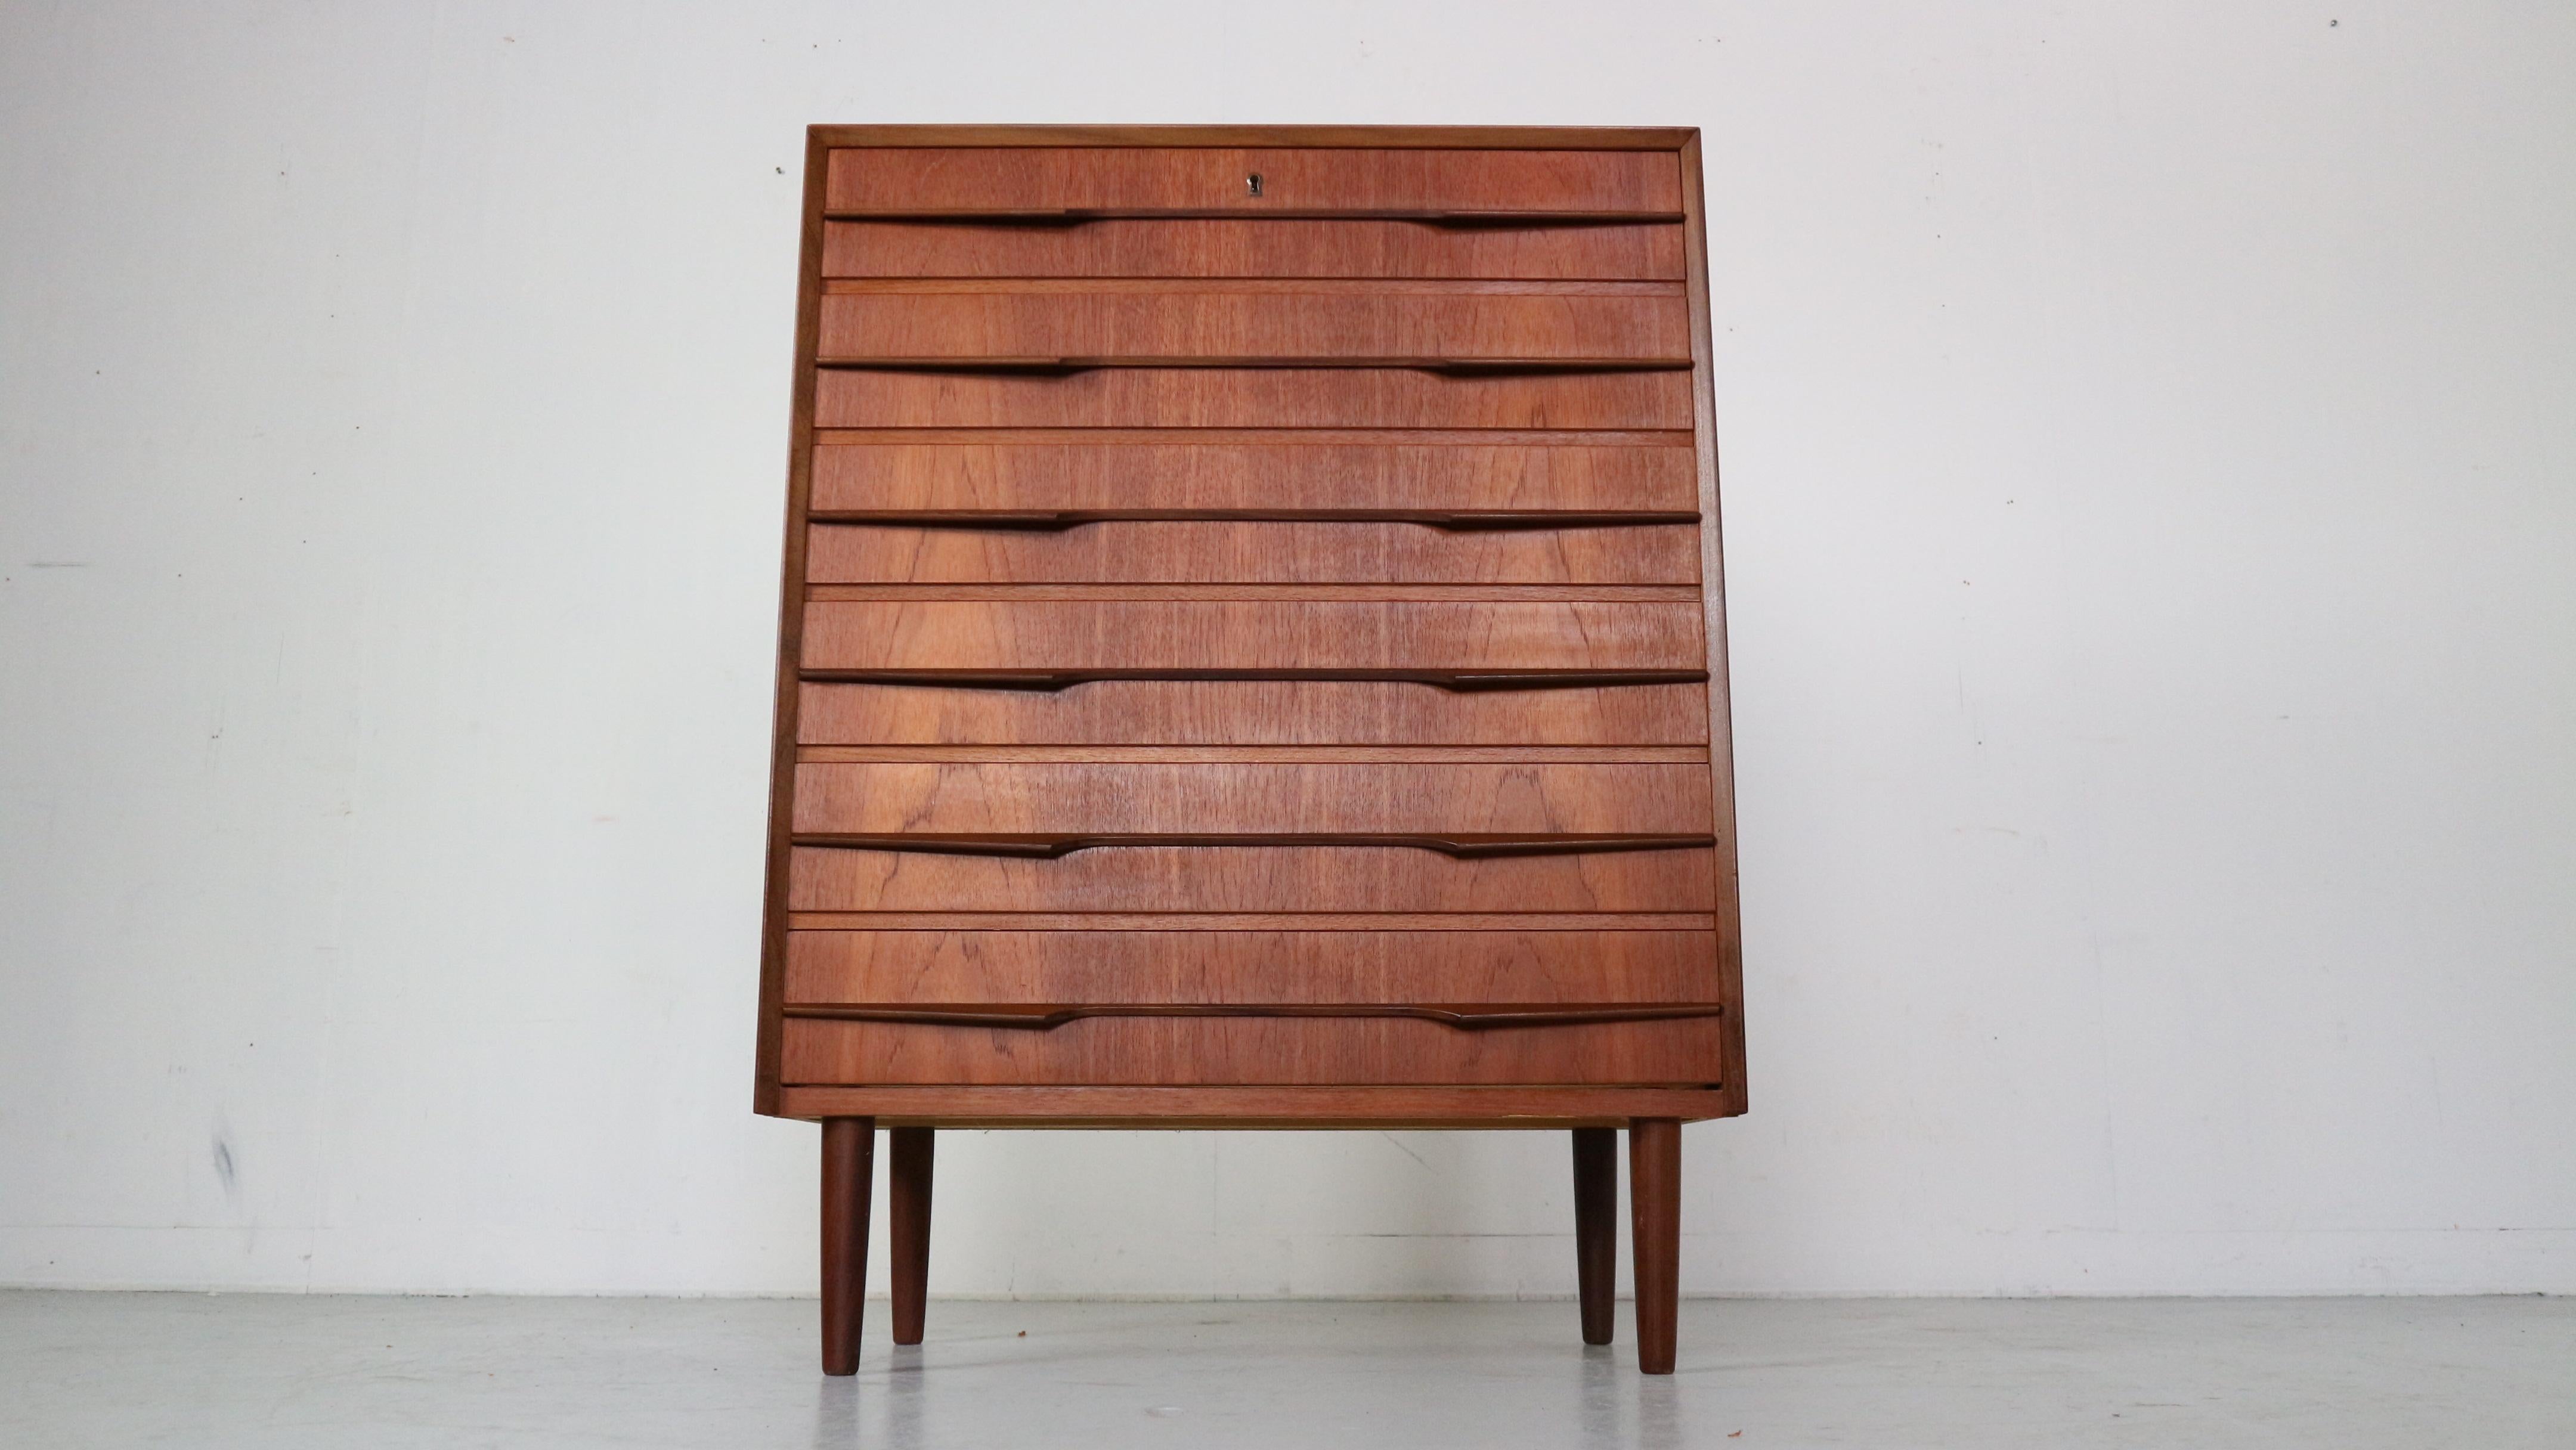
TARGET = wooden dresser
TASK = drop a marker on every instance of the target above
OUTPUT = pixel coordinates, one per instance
(1251, 657)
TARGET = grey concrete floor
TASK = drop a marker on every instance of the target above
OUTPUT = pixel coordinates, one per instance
(282, 1371)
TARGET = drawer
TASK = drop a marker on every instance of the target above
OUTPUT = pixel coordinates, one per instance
(1058, 640)
(1074, 472)
(1532, 803)
(1177, 1051)
(1227, 552)
(1115, 321)
(1251, 966)
(1255, 247)
(1039, 181)
(1114, 397)
(1250, 712)
(1251, 878)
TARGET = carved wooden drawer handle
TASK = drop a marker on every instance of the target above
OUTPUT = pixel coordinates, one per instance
(1045, 1018)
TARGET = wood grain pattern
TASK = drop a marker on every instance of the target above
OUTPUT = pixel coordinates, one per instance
(1278, 635)
(1034, 472)
(1175, 551)
(1256, 322)
(1251, 712)
(1720, 707)
(1298, 921)
(1251, 1051)
(1250, 799)
(1251, 966)
(1257, 247)
(931, 181)
(848, 397)
(1250, 879)
(785, 696)
(1457, 1105)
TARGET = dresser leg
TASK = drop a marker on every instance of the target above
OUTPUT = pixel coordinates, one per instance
(908, 1227)
(1596, 1228)
(1655, 1211)
(849, 1151)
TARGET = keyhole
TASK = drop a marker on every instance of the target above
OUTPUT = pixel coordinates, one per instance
(1252, 184)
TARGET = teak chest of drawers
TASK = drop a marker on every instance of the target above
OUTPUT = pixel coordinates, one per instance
(1252, 657)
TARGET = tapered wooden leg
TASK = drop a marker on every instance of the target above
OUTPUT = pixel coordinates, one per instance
(1596, 1229)
(849, 1151)
(1655, 1213)
(908, 1226)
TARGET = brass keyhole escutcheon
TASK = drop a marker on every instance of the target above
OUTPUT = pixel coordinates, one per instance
(1252, 184)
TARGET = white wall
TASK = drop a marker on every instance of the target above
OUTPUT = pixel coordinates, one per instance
(2150, 492)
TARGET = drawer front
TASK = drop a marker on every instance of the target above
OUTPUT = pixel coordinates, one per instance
(1250, 712)
(1039, 180)
(1531, 802)
(1219, 967)
(1112, 397)
(1251, 878)
(1257, 322)
(1259, 247)
(1180, 474)
(1063, 636)
(1232, 552)
(1252, 1050)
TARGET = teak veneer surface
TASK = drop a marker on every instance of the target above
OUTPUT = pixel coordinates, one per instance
(1252, 798)
(896, 473)
(1269, 323)
(1250, 878)
(1252, 712)
(1240, 397)
(1258, 551)
(1038, 181)
(1252, 247)
(982, 965)
(1527, 1105)
(1251, 1051)
(1230, 635)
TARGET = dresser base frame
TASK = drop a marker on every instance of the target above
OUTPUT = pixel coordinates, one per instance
(1654, 1193)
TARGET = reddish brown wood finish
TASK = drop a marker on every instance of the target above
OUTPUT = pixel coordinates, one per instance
(1596, 1229)
(1255, 323)
(1198, 551)
(1264, 878)
(1358, 181)
(1517, 1106)
(1251, 799)
(1251, 1051)
(849, 1150)
(908, 1174)
(1281, 634)
(1253, 712)
(1568, 966)
(1257, 247)
(1229, 573)
(1655, 1224)
(1212, 471)
(1215, 397)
